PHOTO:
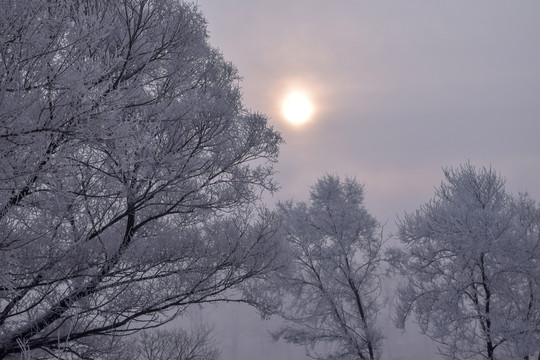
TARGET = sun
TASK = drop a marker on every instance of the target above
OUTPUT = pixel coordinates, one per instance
(297, 108)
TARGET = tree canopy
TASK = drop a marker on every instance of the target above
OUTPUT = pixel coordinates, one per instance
(470, 258)
(332, 286)
(129, 172)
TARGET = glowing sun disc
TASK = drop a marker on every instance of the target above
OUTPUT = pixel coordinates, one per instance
(297, 108)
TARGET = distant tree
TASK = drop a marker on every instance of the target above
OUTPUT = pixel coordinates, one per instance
(471, 263)
(332, 286)
(167, 344)
(148, 344)
(129, 172)
(175, 344)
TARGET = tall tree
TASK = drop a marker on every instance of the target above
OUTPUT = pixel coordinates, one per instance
(332, 288)
(471, 264)
(129, 171)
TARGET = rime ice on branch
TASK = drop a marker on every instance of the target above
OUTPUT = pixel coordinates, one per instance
(471, 264)
(332, 287)
(129, 171)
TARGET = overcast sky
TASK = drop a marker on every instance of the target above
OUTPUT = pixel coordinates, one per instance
(400, 89)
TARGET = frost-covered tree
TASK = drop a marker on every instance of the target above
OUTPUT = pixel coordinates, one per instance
(471, 262)
(148, 344)
(176, 344)
(332, 286)
(129, 172)
(166, 344)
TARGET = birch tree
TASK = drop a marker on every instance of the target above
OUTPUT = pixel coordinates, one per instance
(332, 287)
(471, 263)
(130, 172)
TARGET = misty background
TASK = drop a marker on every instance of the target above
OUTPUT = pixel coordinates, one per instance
(401, 89)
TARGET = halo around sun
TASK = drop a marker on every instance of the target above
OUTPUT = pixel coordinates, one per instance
(297, 108)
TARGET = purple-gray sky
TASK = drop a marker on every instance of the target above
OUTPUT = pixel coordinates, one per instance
(401, 89)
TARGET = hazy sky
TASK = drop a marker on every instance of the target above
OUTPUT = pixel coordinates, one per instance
(401, 89)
